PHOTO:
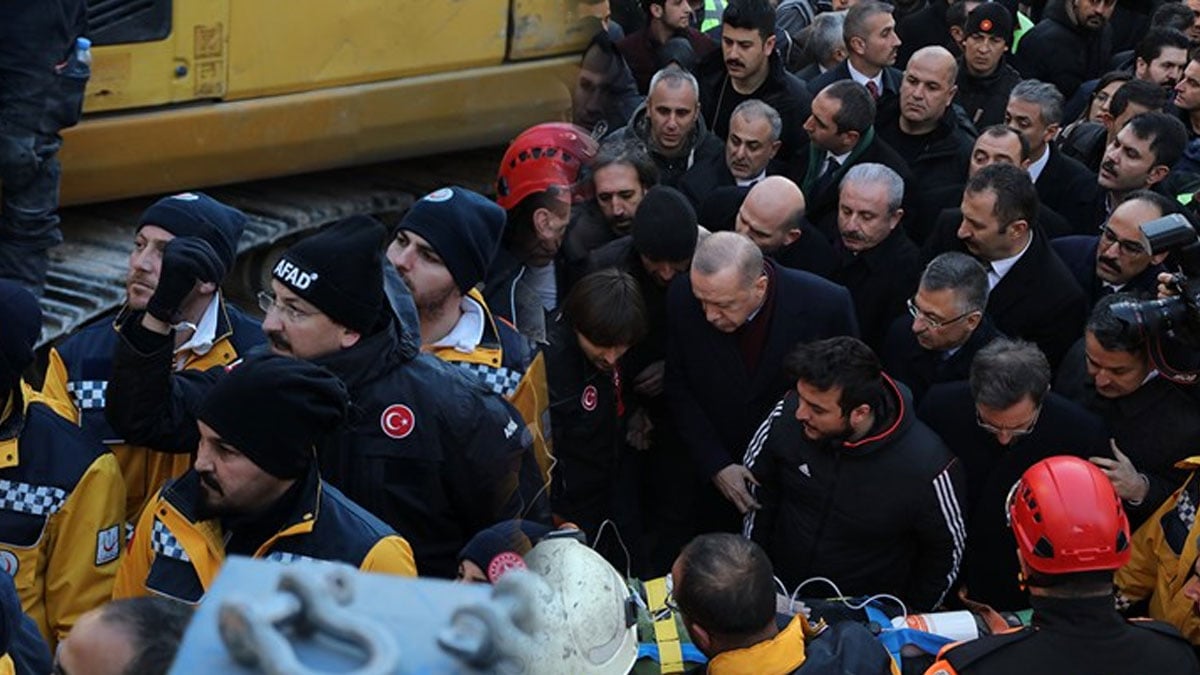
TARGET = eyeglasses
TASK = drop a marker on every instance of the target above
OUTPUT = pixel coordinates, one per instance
(669, 607)
(1127, 246)
(267, 302)
(933, 323)
(1022, 430)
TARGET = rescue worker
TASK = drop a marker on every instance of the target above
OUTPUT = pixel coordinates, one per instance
(429, 452)
(211, 333)
(498, 549)
(61, 496)
(255, 489)
(603, 316)
(442, 248)
(539, 176)
(1071, 535)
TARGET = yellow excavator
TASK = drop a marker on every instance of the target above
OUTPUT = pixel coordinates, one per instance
(188, 94)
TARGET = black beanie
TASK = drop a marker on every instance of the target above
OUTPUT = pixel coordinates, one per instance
(463, 227)
(340, 271)
(503, 546)
(991, 18)
(274, 409)
(20, 326)
(194, 214)
(664, 227)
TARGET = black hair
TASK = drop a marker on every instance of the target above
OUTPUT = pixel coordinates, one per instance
(758, 15)
(1016, 197)
(1006, 371)
(1146, 94)
(606, 307)
(154, 628)
(727, 585)
(1166, 133)
(1112, 333)
(857, 112)
(843, 362)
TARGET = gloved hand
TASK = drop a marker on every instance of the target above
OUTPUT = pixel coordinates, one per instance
(186, 261)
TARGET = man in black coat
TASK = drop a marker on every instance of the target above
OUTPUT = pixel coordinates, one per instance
(841, 134)
(642, 50)
(985, 77)
(1063, 184)
(1116, 260)
(730, 324)
(772, 216)
(871, 48)
(748, 66)
(998, 425)
(1033, 295)
(877, 262)
(944, 328)
(1070, 45)
(750, 154)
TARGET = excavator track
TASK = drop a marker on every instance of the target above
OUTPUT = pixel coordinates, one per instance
(87, 272)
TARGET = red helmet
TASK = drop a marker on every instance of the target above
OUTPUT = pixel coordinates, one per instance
(1067, 517)
(550, 155)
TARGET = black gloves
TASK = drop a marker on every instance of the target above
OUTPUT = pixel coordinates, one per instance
(186, 261)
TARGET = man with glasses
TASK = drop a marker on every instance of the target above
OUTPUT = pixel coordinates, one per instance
(1154, 422)
(429, 452)
(208, 332)
(1118, 260)
(999, 423)
(944, 328)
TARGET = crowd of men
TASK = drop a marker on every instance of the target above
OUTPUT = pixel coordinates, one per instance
(828, 280)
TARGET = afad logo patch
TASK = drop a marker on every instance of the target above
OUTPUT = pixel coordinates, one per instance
(287, 272)
(589, 398)
(108, 544)
(398, 421)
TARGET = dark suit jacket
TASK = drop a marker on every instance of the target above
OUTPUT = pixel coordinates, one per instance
(1038, 300)
(1078, 253)
(879, 281)
(989, 570)
(907, 361)
(1069, 188)
(821, 206)
(717, 404)
(891, 80)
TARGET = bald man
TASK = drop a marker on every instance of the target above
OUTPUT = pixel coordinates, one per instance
(772, 216)
(924, 128)
(730, 323)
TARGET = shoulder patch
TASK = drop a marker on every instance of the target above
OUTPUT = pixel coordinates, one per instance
(962, 655)
(108, 544)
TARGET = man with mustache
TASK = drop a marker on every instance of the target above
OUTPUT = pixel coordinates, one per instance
(1117, 259)
(255, 490)
(877, 262)
(872, 45)
(441, 251)
(1140, 157)
(1070, 45)
(209, 332)
(750, 151)
(429, 452)
(749, 66)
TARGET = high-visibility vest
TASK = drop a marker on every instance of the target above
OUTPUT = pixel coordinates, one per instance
(713, 9)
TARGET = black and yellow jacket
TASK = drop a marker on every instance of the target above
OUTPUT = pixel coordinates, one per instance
(77, 381)
(61, 515)
(175, 555)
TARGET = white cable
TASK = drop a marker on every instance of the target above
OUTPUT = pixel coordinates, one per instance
(620, 542)
(545, 484)
(842, 599)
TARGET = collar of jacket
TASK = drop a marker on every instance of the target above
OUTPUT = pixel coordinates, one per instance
(223, 332)
(11, 427)
(883, 433)
(639, 128)
(489, 351)
(781, 654)
(816, 157)
(180, 498)
(371, 357)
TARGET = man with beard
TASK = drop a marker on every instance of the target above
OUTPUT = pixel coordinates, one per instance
(1187, 96)
(1001, 422)
(944, 328)
(621, 173)
(1161, 57)
(1117, 260)
(665, 19)
(749, 66)
(210, 332)
(441, 249)
(1139, 157)
(1070, 45)
(750, 151)
(669, 125)
(772, 216)
(1087, 142)
(985, 77)
(429, 452)
(852, 486)
(603, 316)
(255, 490)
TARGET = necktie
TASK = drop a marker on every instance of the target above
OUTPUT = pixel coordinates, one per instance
(826, 178)
(873, 88)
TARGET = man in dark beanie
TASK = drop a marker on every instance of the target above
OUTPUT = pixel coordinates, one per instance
(442, 249)
(254, 489)
(210, 332)
(62, 494)
(429, 452)
(985, 77)
(500, 548)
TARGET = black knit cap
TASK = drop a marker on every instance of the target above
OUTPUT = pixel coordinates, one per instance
(340, 271)
(664, 227)
(20, 326)
(462, 226)
(195, 214)
(494, 548)
(274, 409)
(991, 18)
